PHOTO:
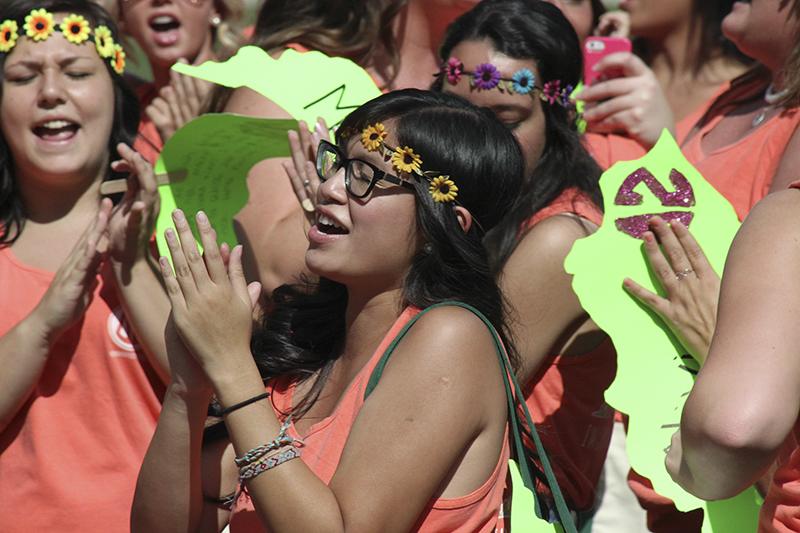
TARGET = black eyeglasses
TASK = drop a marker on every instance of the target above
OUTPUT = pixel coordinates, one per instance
(360, 177)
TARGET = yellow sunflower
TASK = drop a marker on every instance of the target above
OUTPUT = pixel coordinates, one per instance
(372, 137)
(39, 25)
(405, 160)
(8, 35)
(104, 42)
(443, 189)
(75, 28)
(118, 60)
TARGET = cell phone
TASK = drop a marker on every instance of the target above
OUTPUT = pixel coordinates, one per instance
(595, 49)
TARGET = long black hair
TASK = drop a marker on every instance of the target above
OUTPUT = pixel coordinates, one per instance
(538, 31)
(126, 105)
(304, 333)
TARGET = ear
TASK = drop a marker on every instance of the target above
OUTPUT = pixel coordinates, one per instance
(464, 218)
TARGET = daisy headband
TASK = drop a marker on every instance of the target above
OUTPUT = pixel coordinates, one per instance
(404, 159)
(487, 77)
(39, 25)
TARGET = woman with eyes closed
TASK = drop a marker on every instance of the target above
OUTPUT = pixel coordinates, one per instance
(567, 362)
(80, 395)
(401, 212)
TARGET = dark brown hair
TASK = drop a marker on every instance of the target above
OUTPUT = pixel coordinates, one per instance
(360, 30)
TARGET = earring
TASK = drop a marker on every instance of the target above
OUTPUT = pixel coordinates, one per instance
(216, 20)
(427, 248)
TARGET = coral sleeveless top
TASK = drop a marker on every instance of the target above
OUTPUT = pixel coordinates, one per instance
(70, 457)
(742, 171)
(566, 398)
(479, 511)
(781, 509)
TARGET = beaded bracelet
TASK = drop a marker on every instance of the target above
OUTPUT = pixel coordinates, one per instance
(279, 442)
(267, 463)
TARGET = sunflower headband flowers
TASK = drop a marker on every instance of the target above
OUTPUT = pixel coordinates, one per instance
(39, 25)
(487, 77)
(404, 159)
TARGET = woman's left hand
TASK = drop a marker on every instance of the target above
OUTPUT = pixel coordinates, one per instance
(211, 304)
(692, 286)
(133, 221)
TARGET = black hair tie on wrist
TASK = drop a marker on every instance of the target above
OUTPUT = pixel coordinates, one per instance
(228, 410)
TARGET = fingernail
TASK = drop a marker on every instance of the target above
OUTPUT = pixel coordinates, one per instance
(308, 205)
(170, 235)
(178, 216)
(163, 262)
(201, 217)
(647, 236)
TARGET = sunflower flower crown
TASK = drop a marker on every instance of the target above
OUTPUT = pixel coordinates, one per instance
(487, 77)
(39, 25)
(404, 159)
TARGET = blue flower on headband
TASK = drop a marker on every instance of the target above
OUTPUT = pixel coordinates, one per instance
(524, 81)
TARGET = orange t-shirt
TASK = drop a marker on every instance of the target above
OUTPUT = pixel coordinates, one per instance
(608, 149)
(566, 398)
(742, 172)
(70, 458)
(478, 511)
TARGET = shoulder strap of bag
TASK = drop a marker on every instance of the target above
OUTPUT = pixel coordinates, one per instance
(514, 397)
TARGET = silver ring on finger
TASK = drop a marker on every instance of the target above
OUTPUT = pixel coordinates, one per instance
(681, 275)
(306, 183)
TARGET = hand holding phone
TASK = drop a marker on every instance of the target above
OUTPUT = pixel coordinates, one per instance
(595, 49)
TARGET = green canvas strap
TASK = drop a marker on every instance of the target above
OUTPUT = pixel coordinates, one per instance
(513, 396)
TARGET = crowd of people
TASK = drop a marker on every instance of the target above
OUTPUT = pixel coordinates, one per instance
(249, 386)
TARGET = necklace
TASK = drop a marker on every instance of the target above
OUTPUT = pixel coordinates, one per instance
(771, 98)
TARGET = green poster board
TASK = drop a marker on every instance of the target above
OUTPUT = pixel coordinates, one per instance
(654, 372)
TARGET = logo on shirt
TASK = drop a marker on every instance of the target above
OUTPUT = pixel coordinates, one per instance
(118, 333)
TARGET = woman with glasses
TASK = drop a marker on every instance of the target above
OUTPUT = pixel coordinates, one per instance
(402, 209)
(167, 31)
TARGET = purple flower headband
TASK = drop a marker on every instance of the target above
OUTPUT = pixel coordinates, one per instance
(486, 77)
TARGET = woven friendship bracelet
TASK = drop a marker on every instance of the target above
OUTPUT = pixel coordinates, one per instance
(279, 442)
(267, 463)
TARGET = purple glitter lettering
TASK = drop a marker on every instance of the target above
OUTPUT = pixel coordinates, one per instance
(635, 226)
(683, 196)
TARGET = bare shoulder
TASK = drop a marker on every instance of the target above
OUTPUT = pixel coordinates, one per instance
(775, 217)
(451, 337)
(246, 101)
(551, 239)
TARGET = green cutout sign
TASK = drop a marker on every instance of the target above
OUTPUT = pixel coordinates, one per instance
(306, 85)
(654, 372)
(209, 158)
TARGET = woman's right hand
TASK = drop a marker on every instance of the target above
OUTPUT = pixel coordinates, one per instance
(633, 104)
(302, 170)
(71, 290)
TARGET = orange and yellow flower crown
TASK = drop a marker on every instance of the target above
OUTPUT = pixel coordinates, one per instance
(39, 25)
(404, 159)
